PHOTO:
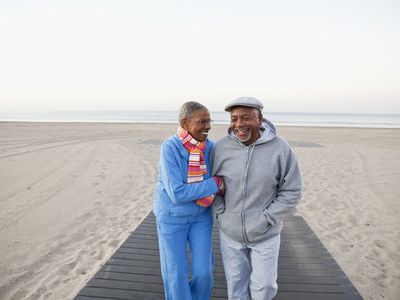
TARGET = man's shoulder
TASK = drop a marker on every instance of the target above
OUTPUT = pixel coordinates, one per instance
(281, 142)
(283, 146)
(222, 141)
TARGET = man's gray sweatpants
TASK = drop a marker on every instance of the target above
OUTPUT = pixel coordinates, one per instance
(251, 270)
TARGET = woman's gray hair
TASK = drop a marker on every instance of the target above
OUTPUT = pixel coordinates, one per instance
(188, 108)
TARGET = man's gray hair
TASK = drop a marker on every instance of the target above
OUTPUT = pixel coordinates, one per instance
(188, 108)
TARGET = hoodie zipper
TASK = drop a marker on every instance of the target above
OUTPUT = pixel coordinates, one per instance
(244, 194)
(249, 154)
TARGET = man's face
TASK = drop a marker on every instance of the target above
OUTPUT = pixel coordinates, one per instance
(245, 123)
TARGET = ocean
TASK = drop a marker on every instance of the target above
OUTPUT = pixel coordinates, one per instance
(219, 117)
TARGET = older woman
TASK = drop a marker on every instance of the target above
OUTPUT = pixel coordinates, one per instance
(184, 194)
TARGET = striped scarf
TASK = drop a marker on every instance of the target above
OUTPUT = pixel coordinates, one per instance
(197, 166)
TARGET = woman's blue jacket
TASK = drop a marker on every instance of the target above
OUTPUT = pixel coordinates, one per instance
(174, 197)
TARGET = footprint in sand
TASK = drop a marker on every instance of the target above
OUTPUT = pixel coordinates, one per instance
(380, 244)
(113, 243)
(352, 219)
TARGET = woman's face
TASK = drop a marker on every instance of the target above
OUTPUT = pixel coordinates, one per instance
(198, 125)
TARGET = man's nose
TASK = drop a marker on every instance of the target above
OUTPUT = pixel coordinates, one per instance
(239, 122)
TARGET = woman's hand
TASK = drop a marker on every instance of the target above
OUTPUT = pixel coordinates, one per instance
(221, 185)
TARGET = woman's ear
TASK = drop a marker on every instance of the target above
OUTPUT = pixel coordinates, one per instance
(184, 123)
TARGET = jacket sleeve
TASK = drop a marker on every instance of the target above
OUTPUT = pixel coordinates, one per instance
(289, 190)
(172, 178)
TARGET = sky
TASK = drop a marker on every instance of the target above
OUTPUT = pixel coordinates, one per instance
(339, 56)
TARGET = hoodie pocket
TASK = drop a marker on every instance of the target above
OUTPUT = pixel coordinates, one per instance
(231, 224)
(257, 225)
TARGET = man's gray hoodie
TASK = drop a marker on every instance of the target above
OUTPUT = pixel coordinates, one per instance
(263, 183)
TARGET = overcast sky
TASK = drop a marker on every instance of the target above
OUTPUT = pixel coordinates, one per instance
(295, 56)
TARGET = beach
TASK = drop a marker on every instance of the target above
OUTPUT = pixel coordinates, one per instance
(71, 193)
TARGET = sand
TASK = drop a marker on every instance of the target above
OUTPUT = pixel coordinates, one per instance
(71, 193)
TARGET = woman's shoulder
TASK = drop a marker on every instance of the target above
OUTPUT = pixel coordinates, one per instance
(173, 139)
(171, 143)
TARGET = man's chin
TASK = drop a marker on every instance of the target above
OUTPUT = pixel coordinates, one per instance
(243, 139)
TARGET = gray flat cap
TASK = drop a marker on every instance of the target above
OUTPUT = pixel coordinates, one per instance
(245, 101)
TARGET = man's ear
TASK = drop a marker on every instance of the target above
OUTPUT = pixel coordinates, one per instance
(260, 118)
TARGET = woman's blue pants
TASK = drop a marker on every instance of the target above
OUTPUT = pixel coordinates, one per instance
(175, 234)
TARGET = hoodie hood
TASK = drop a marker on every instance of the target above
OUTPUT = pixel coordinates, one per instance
(267, 130)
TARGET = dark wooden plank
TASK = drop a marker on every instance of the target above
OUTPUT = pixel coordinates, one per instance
(306, 269)
(133, 263)
(152, 252)
(130, 277)
(338, 288)
(127, 285)
(130, 270)
(315, 296)
(119, 294)
(312, 279)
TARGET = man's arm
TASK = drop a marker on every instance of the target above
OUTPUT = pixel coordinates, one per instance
(289, 190)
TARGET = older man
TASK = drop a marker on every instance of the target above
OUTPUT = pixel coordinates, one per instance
(263, 183)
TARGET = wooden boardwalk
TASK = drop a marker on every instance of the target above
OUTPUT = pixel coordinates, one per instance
(306, 270)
